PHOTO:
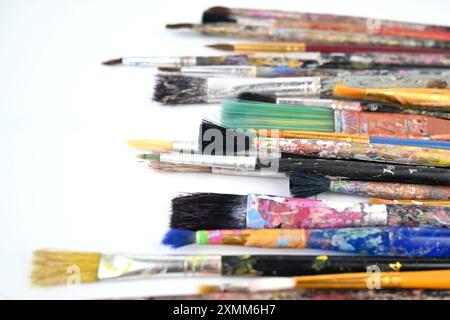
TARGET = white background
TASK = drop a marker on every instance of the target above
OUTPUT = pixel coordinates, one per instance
(67, 178)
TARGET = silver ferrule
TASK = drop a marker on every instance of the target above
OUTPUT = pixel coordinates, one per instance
(185, 146)
(174, 62)
(216, 71)
(377, 214)
(256, 173)
(229, 162)
(123, 265)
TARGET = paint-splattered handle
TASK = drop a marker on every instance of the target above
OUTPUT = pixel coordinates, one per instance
(418, 216)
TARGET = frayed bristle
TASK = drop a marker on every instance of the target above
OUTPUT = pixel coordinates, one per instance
(207, 211)
(304, 185)
(180, 89)
(180, 26)
(217, 140)
(258, 97)
(51, 267)
(112, 62)
(217, 17)
(178, 238)
(222, 46)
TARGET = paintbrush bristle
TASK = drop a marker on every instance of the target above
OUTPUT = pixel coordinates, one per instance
(209, 288)
(217, 17)
(148, 156)
(179, 89)
(178, 238)
(52, 267)
(304, 185)
(113, 62)
(151, 145)
(207, 211)
(180, 26)
(258, 97)
(215, 139)
(222, 46)
(169, 69)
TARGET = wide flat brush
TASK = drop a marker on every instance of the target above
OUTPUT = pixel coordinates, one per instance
(286, 47)
(344, 125)
(433, 279)
(50, 266)
(308, 35)
(174, 88)
(213, 211)
(372, 241)
(343, 104)
(306, 185)
(276, 18)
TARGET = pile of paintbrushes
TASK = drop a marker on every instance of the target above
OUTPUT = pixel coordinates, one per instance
(334, 104)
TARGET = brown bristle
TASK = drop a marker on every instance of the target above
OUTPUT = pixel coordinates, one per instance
(112, 62)
(208, 288)
(180, 26)
(51, 267)
(222, 46)
(169, 69)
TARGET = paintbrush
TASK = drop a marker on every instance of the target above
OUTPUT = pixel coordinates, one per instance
(308, 35)
(49, 266)
(421, 97)
(433, 279)
(310, 122)
(214, 138)
(343, 104)
(287, 47)
(372, 241)
(216, 211)
(306, 185)
(173, 88)
(210, 292)
(303, 60)
(330, 22)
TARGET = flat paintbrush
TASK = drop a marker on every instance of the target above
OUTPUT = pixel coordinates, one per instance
(306, 185)
(50, 266)
(372, 241)
(433, 279)
(308, 35)
(173, 88)
(346, 105)
(216, 211)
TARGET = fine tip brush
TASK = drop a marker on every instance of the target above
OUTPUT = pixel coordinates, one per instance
(306, 185)
(215, 211)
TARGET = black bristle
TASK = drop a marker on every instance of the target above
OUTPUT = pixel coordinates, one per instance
(304, 185)
(217, 140)
(258, 97)
(180, 89)
(209, 211)
(217, 17)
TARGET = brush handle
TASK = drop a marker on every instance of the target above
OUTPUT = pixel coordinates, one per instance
(295, 265)
(291, 213)
(365, 170)
(359, 151)
(385, 241)
(388, 190)
(418, 215)
(315, 36)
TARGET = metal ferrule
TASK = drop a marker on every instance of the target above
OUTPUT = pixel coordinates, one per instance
(123, 265)
(378, 214)
(215, 71)
(183, 146)
(229, 162)
(256, 173)
(174, 62)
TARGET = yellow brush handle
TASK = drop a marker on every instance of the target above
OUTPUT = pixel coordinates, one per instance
(270, 47)
(440, 203)
(152, 145)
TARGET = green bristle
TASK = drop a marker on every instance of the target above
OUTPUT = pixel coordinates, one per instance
(259, 115)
